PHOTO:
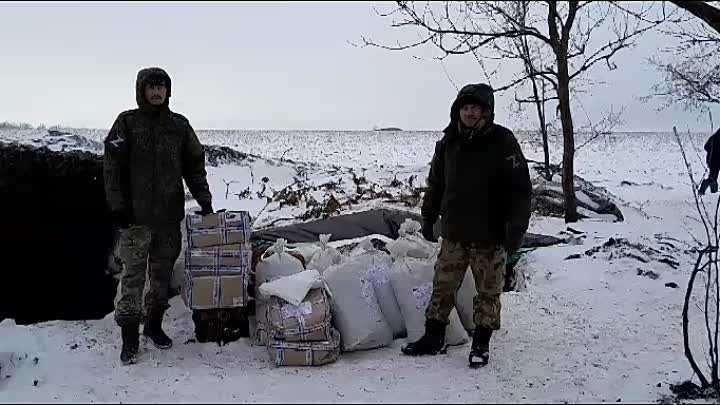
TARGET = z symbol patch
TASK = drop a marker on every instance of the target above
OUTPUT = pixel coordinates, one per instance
(116, 142)
(516, 161)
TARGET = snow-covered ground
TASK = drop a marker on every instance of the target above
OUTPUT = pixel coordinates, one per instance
(590, 329)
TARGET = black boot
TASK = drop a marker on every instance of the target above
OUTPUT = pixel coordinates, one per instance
(153, 330)
(480, 350)
(130, 342)
(431, 342)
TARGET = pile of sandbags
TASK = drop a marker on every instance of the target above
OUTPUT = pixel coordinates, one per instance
(299, 321)
(360, 300)
(412, 283)
(274, 264)
(379, 297)
(217, 266)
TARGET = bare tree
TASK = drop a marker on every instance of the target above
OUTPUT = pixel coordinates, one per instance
(539, 94)
(706, 265)
(691, 75)
(562, 37)
(708, 11)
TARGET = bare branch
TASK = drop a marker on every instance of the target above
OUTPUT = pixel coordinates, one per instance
(610, 50)
(702, 10)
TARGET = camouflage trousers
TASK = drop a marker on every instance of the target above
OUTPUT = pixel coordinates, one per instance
(488, 267)
(151, 250)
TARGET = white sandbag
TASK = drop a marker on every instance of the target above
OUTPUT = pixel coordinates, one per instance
(307, 251)
(411, 238)
(377, 264)
(273, 264)
(464, 301)
(412, 281)
(355, 309)
(276, 263)
(294, 288)
(326, 256)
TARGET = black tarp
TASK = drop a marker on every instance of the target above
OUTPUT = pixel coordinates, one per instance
(384, 222)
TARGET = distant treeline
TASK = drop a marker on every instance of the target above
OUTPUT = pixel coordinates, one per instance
(24, 125)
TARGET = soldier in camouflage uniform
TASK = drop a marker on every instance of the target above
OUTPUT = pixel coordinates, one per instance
(479, 186)
(148, 153)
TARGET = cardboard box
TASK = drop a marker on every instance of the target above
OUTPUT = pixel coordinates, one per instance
(219, 260)
(218, 291)
(221, 228)
(310, 321)
(305, 354)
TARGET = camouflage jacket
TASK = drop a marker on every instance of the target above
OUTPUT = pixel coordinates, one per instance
(148, 153)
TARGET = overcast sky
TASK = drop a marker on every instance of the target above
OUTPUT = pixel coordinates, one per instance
(260, 66)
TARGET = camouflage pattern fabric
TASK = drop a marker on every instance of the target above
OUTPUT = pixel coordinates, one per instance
(151, 250)
(488, 267)
(148, 153)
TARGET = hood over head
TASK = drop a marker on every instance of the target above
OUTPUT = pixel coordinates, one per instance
(475, 93)
(151, 75)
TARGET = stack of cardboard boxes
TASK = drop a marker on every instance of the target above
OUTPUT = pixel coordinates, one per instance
(217, 260)
(302, 335)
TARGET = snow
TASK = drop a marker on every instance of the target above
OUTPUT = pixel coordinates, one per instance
(583, 330)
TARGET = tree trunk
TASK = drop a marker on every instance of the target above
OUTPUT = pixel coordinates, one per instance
(543, 130)
(568, 183)
(702, 10)
(540, 107)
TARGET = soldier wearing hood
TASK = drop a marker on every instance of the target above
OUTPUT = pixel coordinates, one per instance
(712, 158)
(149, 151)
(479, 186)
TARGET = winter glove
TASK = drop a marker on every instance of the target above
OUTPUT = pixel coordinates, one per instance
(708, 182)
(205, 208)
(427, 231)
(120, 218)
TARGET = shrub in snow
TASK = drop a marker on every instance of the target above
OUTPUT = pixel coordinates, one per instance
(326, 256)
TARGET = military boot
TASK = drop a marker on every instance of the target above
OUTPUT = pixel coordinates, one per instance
(153, 330)
(431, 342)
(130, 342)
(480, 349)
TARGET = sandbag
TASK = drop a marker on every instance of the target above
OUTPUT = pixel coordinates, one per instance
(307, 251)
(326, 256)
(376, 265)
(355, 309)
(412, 281)
(464, 301)
(276, 263)
(294, 288)
(412, 241)
(273, 264)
